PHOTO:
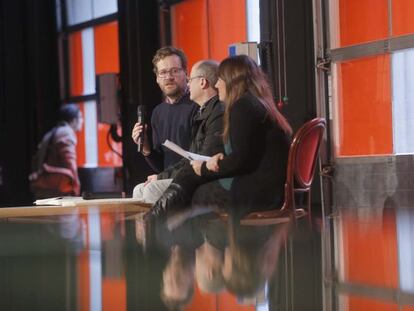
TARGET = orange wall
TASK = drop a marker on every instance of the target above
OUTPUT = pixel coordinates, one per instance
(362, 21)
(189, 29)
(205, 28)
(76, 64)
(365, 110)
(359, 304)
(106, 48)
(227, 24)
(402, 17)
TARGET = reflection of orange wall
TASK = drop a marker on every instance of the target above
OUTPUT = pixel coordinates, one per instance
(363, 21)
(114, 294)
(365, 106)
(370, 251)
(76, 64)
(358, 304)
(229, 302)
(402, 17)
(202, 301)
(213, 302)
(205, 28)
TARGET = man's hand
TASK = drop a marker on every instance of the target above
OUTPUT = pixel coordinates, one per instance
(151, 178)
(136, 132)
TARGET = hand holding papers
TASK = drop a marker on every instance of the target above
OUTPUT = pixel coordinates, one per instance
(186, 154)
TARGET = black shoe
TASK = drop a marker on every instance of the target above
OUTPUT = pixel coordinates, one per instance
(173, 199)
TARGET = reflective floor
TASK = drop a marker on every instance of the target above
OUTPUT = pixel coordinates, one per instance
(106, 258)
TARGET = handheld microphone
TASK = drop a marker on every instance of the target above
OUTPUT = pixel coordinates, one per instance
(141, 120)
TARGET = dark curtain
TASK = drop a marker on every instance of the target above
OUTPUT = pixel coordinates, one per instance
(29, 90)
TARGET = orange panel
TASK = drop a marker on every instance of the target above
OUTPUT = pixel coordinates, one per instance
(362, 21)
(229, 302)
(227, 25)
(80, 147)
(205, 28)
(370, 251)
(402, 19)
(114, 296)
(106, 48)
(106, 157)
(358, 304)
(202, 301)
(408, 309)
(189, 29)
(365, 110)
(76, 64)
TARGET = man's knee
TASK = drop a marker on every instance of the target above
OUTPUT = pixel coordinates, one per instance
(154, 190)
(138, 191)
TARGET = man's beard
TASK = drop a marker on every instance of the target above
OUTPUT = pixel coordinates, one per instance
(173, 93)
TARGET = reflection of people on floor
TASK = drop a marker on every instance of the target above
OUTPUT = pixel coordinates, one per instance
(252, 257)
(177, 288)
(178, 246)
(209, 257)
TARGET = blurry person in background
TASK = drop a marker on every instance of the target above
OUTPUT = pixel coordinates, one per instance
(55, 171)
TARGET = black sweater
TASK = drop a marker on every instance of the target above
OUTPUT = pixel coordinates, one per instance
(258, 159)
(172, 122)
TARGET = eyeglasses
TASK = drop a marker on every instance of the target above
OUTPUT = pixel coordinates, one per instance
(166, 73)
(195, 77)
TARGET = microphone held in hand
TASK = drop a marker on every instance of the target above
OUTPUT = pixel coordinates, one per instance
(141, 120)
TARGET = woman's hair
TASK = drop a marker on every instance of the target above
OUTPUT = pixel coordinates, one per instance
(247, 277)
(68, 112)
(241, 74)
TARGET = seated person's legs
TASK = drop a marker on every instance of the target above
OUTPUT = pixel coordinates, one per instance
(151, 191)
(211, 195)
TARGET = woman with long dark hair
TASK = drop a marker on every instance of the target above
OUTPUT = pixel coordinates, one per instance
(256, 137)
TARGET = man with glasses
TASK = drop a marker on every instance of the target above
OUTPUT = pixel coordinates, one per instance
(206, 136)
(172, 119)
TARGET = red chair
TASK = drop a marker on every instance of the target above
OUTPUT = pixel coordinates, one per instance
(303, 153)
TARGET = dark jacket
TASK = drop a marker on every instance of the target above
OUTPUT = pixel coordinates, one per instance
(258, 158)
(206, 135)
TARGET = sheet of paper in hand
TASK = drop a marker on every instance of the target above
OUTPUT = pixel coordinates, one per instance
(186, 154)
